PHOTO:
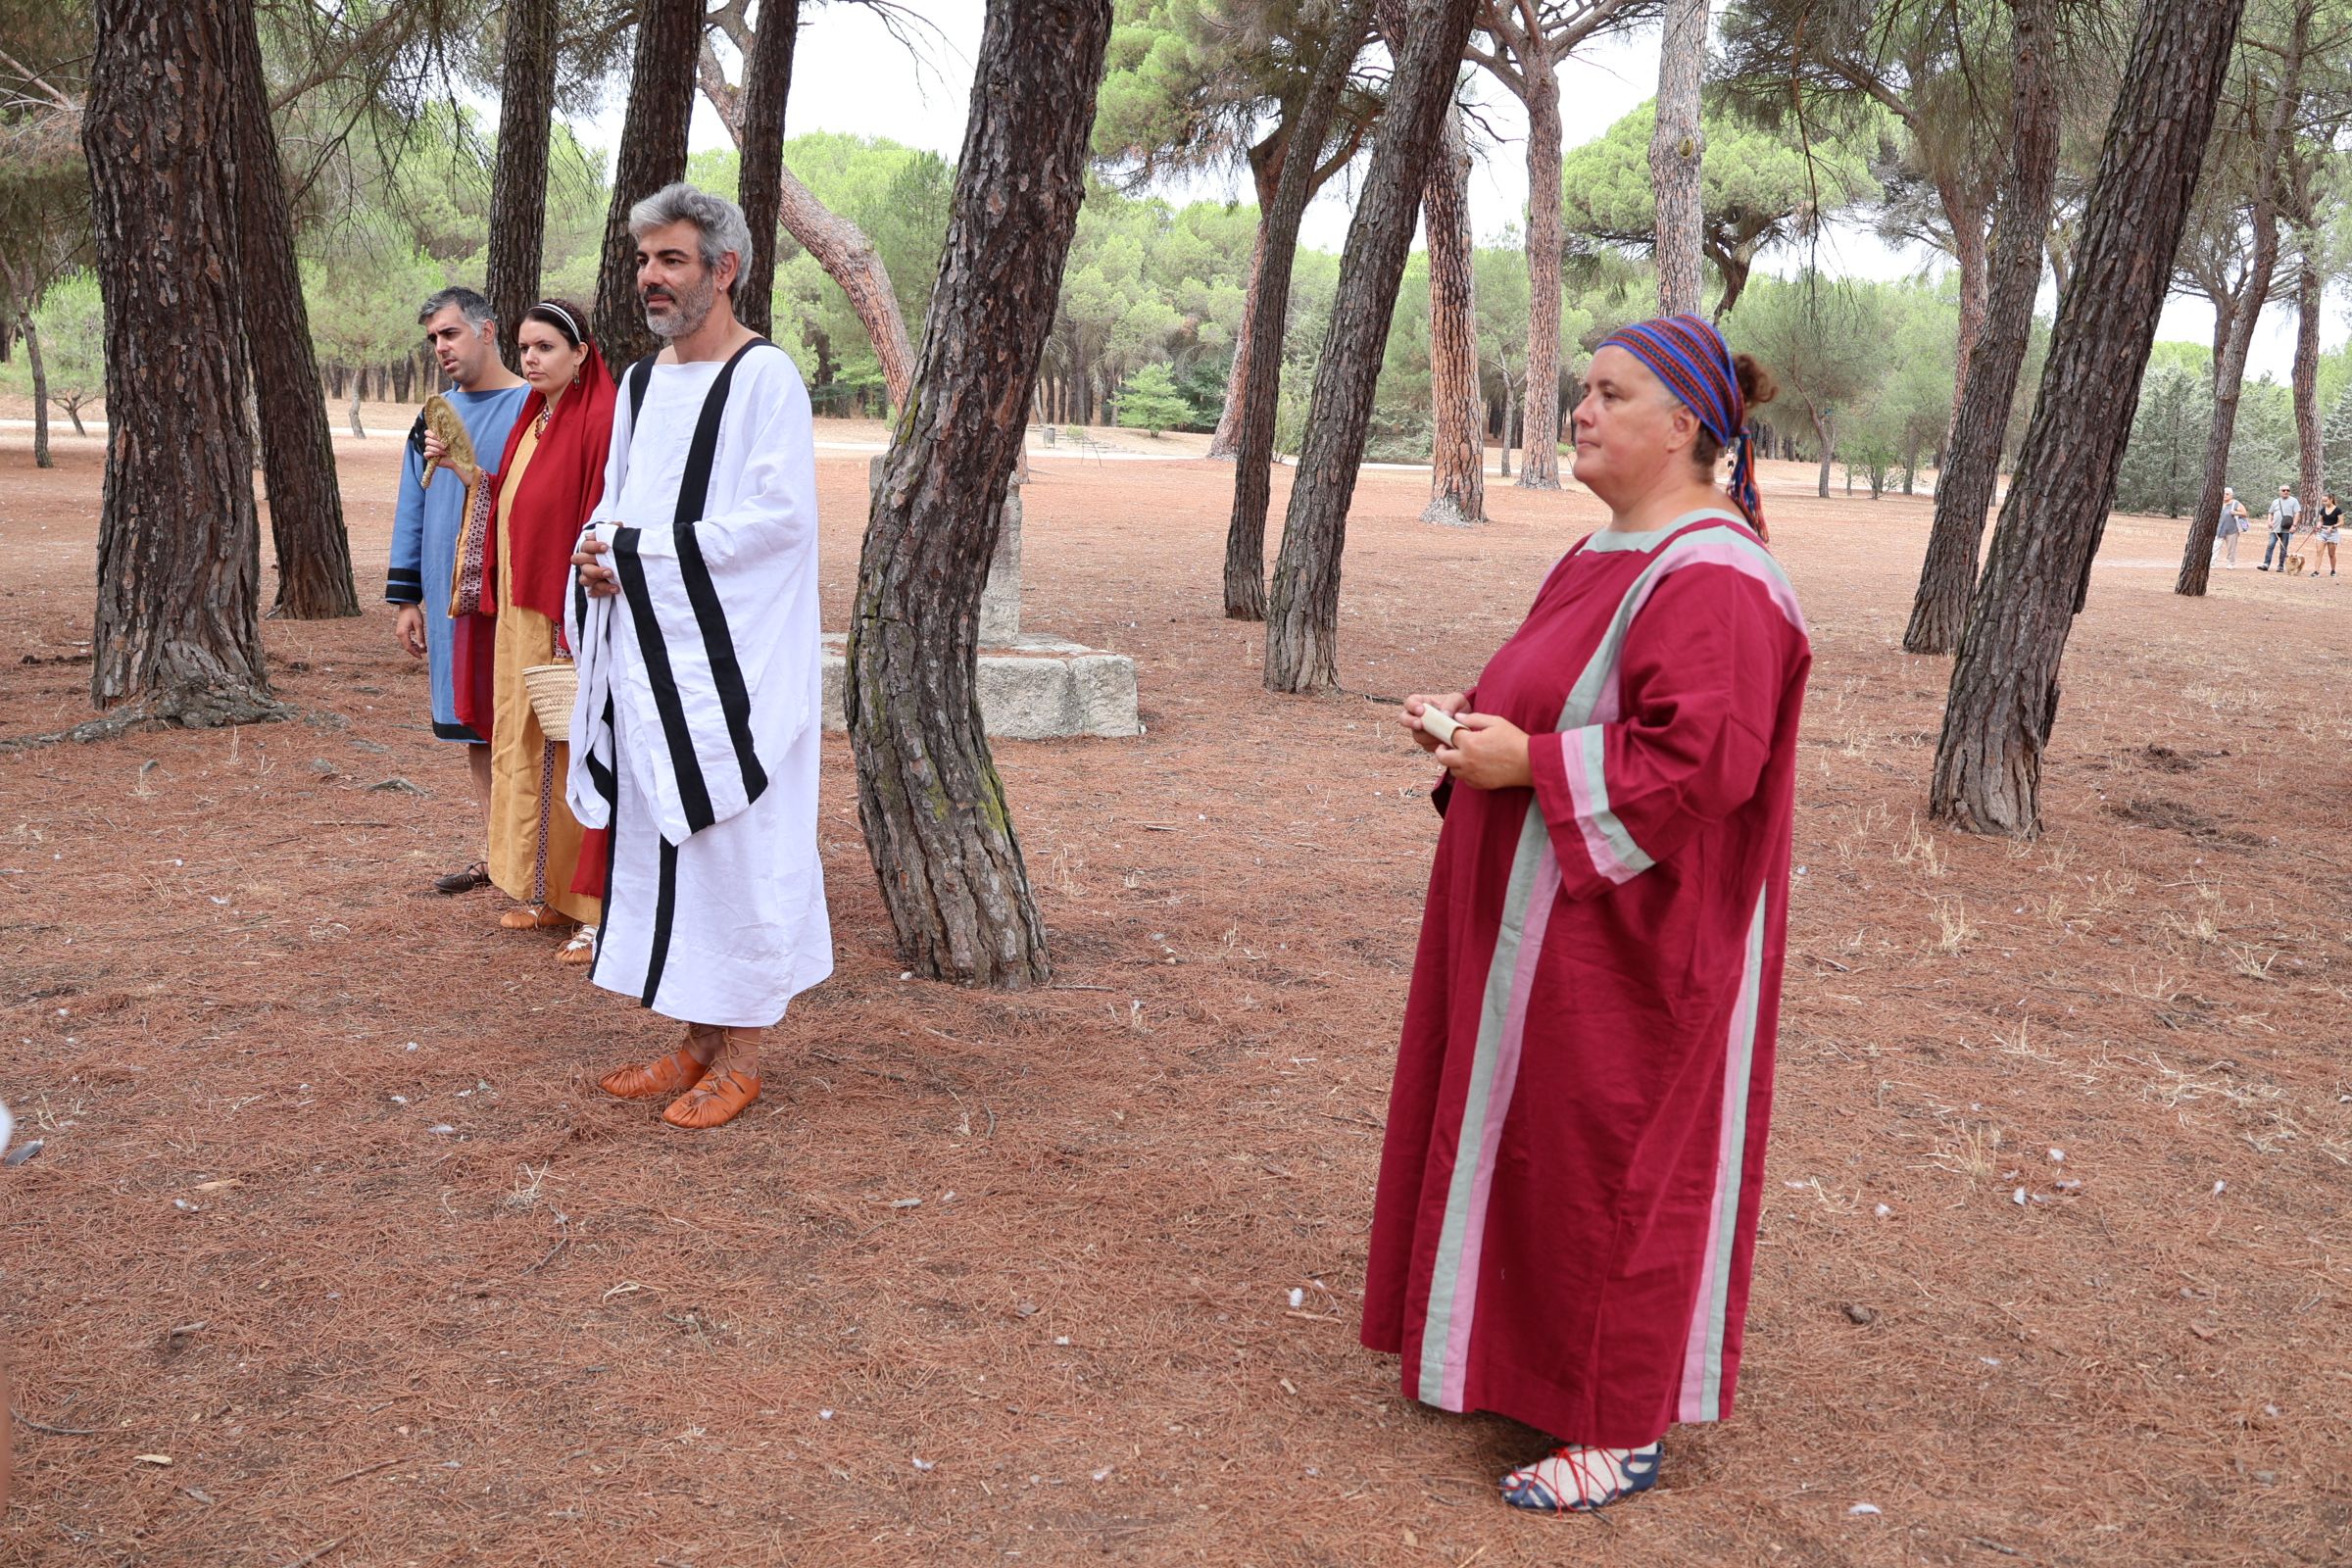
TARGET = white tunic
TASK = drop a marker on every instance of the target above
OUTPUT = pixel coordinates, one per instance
(696, 734)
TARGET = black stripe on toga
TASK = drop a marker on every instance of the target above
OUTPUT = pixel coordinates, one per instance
(665, 911)
(694, 795)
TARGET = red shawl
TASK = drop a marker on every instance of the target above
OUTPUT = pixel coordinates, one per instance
(561, 487)
(564, 483)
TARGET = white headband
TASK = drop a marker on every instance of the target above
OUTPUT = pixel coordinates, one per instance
(577, 336)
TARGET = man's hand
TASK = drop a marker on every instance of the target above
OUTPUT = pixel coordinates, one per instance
(594, 575)
(1488, 753)
(1411, 715)
(408, 630)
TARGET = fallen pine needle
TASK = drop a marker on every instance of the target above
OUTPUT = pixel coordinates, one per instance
(369, 1470)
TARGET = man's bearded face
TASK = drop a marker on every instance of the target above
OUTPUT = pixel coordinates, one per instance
(678, 303)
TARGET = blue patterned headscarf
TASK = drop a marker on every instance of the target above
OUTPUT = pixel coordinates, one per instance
(1690, 357)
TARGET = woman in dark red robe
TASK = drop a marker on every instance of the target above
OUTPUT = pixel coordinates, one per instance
(1568, 1192)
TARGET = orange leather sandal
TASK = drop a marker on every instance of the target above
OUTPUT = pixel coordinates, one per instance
(528, 917)
(717, 1100)
(664, 1075)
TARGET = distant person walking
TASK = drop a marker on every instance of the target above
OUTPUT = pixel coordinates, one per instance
(2284, 512)
(2324, 542)
(2232, 523)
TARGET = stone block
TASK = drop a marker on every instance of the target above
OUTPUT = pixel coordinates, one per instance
(1000, 595)
(1037, 689)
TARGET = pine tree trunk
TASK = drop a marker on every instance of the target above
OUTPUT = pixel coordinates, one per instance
(1457, 481)
(307, 533)
(1259, 399)
(1510, 415)
(1302, 611)
(2229, 366)
(850, 258)
(937, 824)
(2004, 688)
(1540, 459)
(519, 186)
(1676, 148)
(1226, 443)
(653, 154)
(766, 84)
(177, 629)
(1971, 468)
(839, 246)
(41, 389)
(1821, 433)
(1969, 243)
(2309, 288)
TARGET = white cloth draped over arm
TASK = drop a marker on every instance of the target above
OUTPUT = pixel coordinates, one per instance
(712, 639)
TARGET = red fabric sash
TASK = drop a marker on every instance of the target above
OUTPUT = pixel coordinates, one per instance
(560, 489)
(561, 486)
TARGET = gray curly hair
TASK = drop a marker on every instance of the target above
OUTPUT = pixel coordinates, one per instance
(716, 220)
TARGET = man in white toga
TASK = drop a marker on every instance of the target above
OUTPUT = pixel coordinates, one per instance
(694, 618)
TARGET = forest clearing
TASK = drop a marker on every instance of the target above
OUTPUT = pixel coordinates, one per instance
(331, 1244)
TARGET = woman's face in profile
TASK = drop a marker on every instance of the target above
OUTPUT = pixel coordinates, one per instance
(1627, 427)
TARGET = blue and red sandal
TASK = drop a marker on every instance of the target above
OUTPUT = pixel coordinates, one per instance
(1574, 1479)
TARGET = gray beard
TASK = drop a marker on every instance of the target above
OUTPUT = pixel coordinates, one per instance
(687, 314)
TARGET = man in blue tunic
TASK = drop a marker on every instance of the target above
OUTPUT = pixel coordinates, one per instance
(463, 336)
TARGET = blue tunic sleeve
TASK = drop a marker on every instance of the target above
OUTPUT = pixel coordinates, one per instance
(404, 582)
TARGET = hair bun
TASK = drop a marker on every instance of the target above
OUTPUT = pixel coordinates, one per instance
(1756, 384)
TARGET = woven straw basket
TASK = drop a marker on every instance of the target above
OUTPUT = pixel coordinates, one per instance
(553, 689)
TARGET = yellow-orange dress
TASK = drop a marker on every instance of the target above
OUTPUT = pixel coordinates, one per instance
(534, 839)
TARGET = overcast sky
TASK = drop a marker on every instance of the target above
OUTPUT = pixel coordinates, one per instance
(850, 76)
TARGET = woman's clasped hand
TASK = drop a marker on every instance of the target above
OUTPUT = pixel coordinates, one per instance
(1485, 753)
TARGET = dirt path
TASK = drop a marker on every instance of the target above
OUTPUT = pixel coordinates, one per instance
(330, 1215)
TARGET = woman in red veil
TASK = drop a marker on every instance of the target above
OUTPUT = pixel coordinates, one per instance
(549, 479)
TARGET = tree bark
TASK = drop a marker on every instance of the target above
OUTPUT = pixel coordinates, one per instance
(1302, 612)
(938, 828)
(41, 389)
(1226, 442)
(1540, 459)
(2309, 289)
(2230, 369)
(1969, 244)
(766, 84)
(1821, 431)
(1457, 481)
(178, 628)
(840, 246)
(1259, 399)
(519, 187)
(1510, 415)
(307, 533)
(1972, 467)
(1677, 146)
(653, 154)
(2004, 688)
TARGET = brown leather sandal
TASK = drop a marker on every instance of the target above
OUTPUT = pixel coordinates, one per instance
(664, 1075)
(717, 1100)
(528, 917)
